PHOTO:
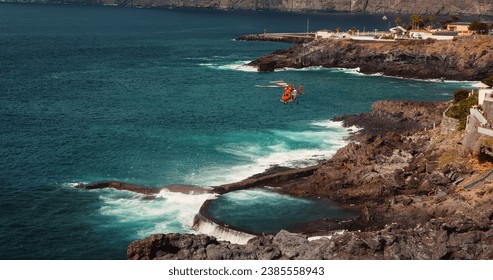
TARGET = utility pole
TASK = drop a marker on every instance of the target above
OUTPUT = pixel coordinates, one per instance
(307, 25)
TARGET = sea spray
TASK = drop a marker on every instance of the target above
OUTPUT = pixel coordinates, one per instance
(237, 65)
(290, 148)
(168, 212)
(220, 230)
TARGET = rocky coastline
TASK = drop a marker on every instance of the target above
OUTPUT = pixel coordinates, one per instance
(464, 59)
(406, 178)
(404, 171)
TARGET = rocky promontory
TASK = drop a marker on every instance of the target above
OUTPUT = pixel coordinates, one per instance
(403, 171)
(468, 58)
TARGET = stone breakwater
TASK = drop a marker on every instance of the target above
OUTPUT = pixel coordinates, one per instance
(404, 176)
(295, 38)
(469, 58)
(145, 190)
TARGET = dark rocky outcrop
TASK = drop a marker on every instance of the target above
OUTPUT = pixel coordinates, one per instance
(469, 7)
(296, 38)
(432, 241)
(268, 179)
(146, 190)
(405, 178)
(468, 58)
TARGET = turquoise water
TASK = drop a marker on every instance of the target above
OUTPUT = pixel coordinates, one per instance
(154, 97)
(265, 211)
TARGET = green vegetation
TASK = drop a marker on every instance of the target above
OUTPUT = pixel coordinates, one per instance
(488, 80)
(417, 22)
(479, 27)
(445, 23)
(460, 109)
(420, 22)
(398, 21)
(460, 95)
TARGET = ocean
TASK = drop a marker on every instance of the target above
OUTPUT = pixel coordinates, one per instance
(159, 97)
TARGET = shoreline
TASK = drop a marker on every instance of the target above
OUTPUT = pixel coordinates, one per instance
(356, 71)
(285, 181)
(395, 177)
(422, 60)
(290, 177)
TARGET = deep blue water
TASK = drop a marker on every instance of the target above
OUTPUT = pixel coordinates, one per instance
(155, 97)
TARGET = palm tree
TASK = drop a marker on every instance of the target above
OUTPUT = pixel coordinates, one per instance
(431, 18)
(479, 27)
(398, 21)
(416, 20)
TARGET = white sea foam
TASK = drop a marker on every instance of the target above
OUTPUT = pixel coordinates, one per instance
(253, 196)
(336, 125)
(242, 66)
(291, 158)
(72, 184)
(353, 71)
(328, 237)
(168, 212)
(328, 124)
(311, 68)
(312, 136)
(208, 227)
(237, 66)
(289, 148)
(174, 212)
(357, 71)
(466, 83)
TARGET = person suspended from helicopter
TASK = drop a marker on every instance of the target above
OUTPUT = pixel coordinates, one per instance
(296, 92)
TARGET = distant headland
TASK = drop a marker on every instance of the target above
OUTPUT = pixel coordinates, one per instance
(442, 7)
(465, 58)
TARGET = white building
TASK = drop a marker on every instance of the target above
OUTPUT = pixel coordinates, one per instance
(485, 94)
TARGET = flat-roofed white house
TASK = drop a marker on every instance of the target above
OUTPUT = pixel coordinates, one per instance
(323, 34)
(328, 34)
(478, 136)
(481, 115)
(485, 94)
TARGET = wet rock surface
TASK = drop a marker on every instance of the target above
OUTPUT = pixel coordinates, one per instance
(146, 190)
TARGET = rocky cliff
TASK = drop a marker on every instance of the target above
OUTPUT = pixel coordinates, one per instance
(470, 7)
(466, 58)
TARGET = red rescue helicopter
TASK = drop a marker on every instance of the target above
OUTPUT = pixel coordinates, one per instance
(290, 94)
